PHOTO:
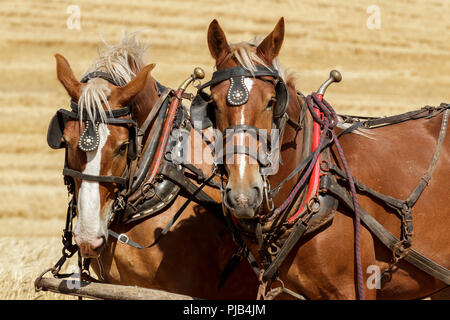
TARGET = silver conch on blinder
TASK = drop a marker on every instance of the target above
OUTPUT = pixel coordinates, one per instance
(238, 92)
(90, 138)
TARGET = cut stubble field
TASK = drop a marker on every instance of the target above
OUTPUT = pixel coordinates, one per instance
(402, 66)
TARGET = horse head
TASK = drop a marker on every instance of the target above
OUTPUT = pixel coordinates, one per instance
(99, 138)
(250, 96)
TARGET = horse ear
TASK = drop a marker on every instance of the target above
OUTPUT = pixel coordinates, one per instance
(66, 77)
(271, 45)
(126, 93)
(217, 41)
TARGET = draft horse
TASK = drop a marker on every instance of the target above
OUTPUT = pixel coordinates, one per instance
(125, 139)
(333, 225)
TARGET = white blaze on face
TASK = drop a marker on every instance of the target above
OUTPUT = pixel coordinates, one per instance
(89, 225)
(242, 158)
(248, 83)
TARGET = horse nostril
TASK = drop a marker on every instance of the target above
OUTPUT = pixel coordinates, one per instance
(228, 197)
(104, 238)
(97, 243)
(257, 196)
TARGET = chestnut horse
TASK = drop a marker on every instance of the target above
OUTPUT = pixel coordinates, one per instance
(191, 257)
(390, 159)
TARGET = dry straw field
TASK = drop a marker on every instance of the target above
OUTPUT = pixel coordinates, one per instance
(402, 65)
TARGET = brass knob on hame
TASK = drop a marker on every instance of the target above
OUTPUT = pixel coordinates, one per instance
(199, 73)
(335, 76)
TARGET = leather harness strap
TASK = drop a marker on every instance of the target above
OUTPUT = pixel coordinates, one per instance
(414, 196)
(191, 188)
(298, 231)
(88, 177)
(152, 115)
(147, 155)
(425, 112)
(386, 237)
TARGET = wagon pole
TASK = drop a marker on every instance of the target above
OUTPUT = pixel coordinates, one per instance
(106, 291)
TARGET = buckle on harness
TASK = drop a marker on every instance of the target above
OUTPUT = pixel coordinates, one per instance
(123, 238)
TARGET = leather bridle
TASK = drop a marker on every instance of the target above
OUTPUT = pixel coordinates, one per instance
(238, 95)
(113, 117)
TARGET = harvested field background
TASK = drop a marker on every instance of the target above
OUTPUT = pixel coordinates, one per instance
(403, 65)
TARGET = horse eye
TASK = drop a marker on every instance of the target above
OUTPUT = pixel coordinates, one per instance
(123, 148)
(270, 104)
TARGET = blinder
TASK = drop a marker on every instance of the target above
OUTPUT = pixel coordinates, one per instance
(202, 111)
(56, 130)
(202, 108)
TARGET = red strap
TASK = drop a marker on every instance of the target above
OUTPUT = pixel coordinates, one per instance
(168, 124)
(315, 175)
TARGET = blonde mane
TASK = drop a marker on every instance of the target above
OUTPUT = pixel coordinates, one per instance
(247, 57)
(119, 61)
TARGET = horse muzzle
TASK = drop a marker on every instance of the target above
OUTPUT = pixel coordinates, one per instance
(90, 248)
(243, 204)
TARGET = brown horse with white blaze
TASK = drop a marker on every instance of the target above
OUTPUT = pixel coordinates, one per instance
(390, 159)
(191, 257)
